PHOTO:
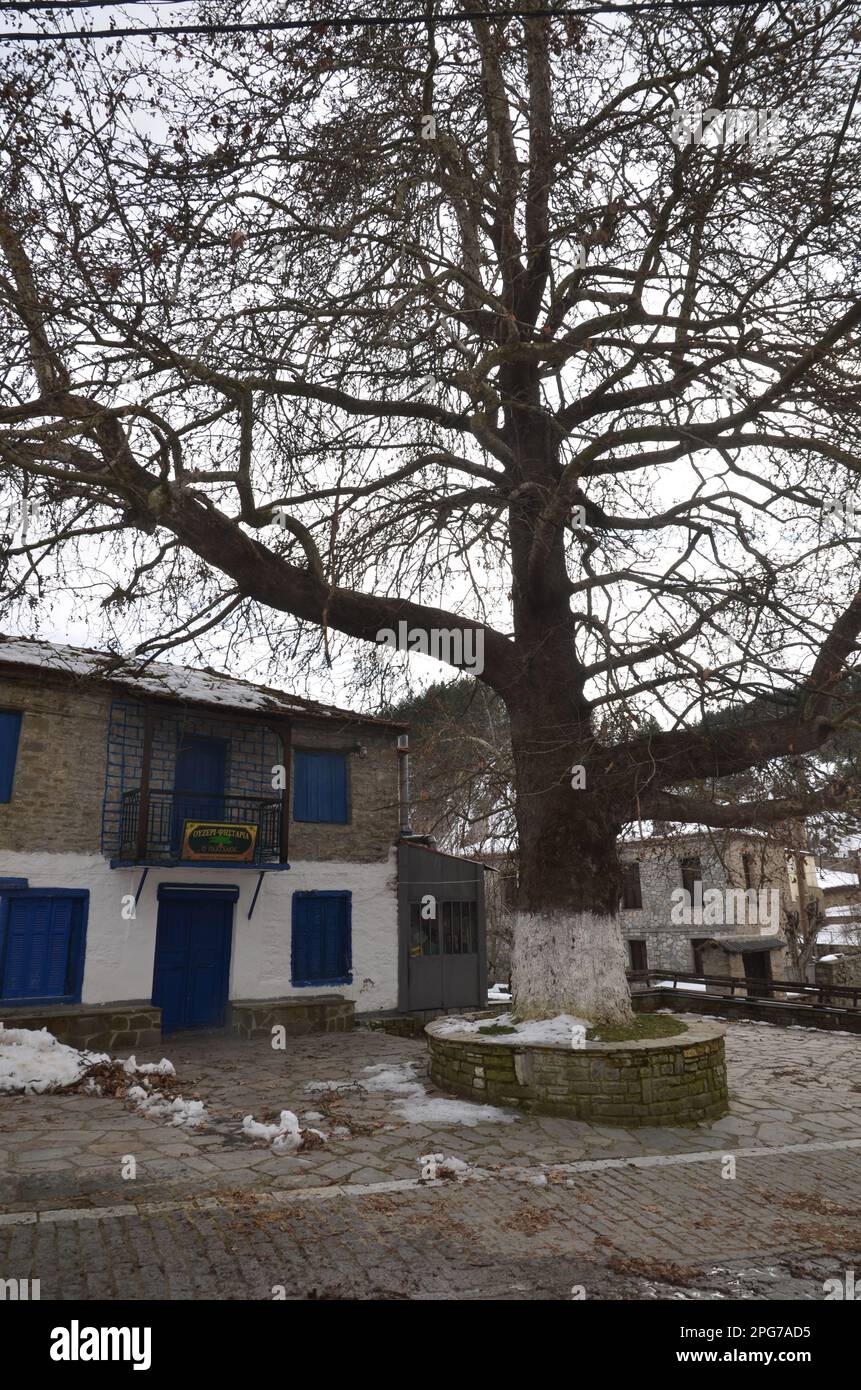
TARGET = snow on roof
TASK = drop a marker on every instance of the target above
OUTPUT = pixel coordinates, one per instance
(835, 878)
(194, 684)
(678, 831)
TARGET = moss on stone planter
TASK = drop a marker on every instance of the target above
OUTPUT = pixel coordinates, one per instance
(644, 1026)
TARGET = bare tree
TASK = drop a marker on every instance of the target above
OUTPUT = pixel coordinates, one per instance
(464, 326)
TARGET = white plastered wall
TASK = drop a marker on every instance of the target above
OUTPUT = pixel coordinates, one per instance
(120, 952)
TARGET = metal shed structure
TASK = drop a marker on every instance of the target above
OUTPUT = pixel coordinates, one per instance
(442, 961)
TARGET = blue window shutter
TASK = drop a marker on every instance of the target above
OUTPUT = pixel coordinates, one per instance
(10, 728)
(322, 944)
(320, 791)
(38, 955)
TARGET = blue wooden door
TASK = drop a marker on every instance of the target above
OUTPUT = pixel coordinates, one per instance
(192, 959)
(198, 782)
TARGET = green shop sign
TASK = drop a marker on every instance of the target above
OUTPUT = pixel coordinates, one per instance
(212, 839)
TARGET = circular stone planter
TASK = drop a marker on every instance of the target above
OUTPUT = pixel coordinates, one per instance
(679, 1080)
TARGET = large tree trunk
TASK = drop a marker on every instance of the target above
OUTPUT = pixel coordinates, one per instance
(568, 953)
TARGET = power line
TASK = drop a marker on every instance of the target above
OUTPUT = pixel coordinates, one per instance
(351, 21)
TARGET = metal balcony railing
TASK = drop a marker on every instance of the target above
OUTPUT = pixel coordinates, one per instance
(167, 812)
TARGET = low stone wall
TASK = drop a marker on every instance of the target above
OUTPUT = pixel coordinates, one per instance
(845, 970)
(784, 1013)
(126, 1027)
(318, 1013)
(657, 1081)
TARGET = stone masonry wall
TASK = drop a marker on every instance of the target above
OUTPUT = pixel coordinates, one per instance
(372, 795)
(60, 772)
(845, 970)
(324, 1013)
(127, 1027)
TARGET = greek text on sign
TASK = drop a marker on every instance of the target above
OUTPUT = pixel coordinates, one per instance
(210, 839)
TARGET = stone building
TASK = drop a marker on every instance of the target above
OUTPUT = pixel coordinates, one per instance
(176, 844)
(739, 886)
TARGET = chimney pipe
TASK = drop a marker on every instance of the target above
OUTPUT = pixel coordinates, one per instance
(404, 782)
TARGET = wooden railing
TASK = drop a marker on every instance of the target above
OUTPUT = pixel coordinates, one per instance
(827, 996)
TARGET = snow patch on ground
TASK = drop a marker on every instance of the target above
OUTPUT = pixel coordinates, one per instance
(397, 1080)
(682, 985)
(32, 1061)
(162, 1068)
(286, 1135)
(321, 1087)
(426, 1110)
(413, 1104)
(418, 1108)
(532, 1030)
(185, 1114)
(436, 1166)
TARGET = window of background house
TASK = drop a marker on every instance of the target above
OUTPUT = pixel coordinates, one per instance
(10, 729)
(632, 891)
(639, 955)
(691, 873)
(747, 862)
(697, 946)
(320, 786)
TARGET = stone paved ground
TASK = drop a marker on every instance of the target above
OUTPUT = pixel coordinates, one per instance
(548, 1204)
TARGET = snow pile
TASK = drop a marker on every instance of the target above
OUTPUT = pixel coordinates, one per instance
(185, 1114)
(532, 1030)
(32, 1061)
(435, 1166)
(162, 1068)
(286, 1136)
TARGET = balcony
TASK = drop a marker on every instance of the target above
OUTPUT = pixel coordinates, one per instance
(160, 840)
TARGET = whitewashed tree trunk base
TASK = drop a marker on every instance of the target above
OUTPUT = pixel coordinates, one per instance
(572, 963)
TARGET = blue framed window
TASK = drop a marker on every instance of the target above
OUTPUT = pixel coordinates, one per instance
(42, 940)
(322, 939)
(10, 729)
(320, 786)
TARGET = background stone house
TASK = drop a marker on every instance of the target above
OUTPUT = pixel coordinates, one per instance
(657, 866)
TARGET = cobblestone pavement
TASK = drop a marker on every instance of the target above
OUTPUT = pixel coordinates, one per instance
(547, 1203)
